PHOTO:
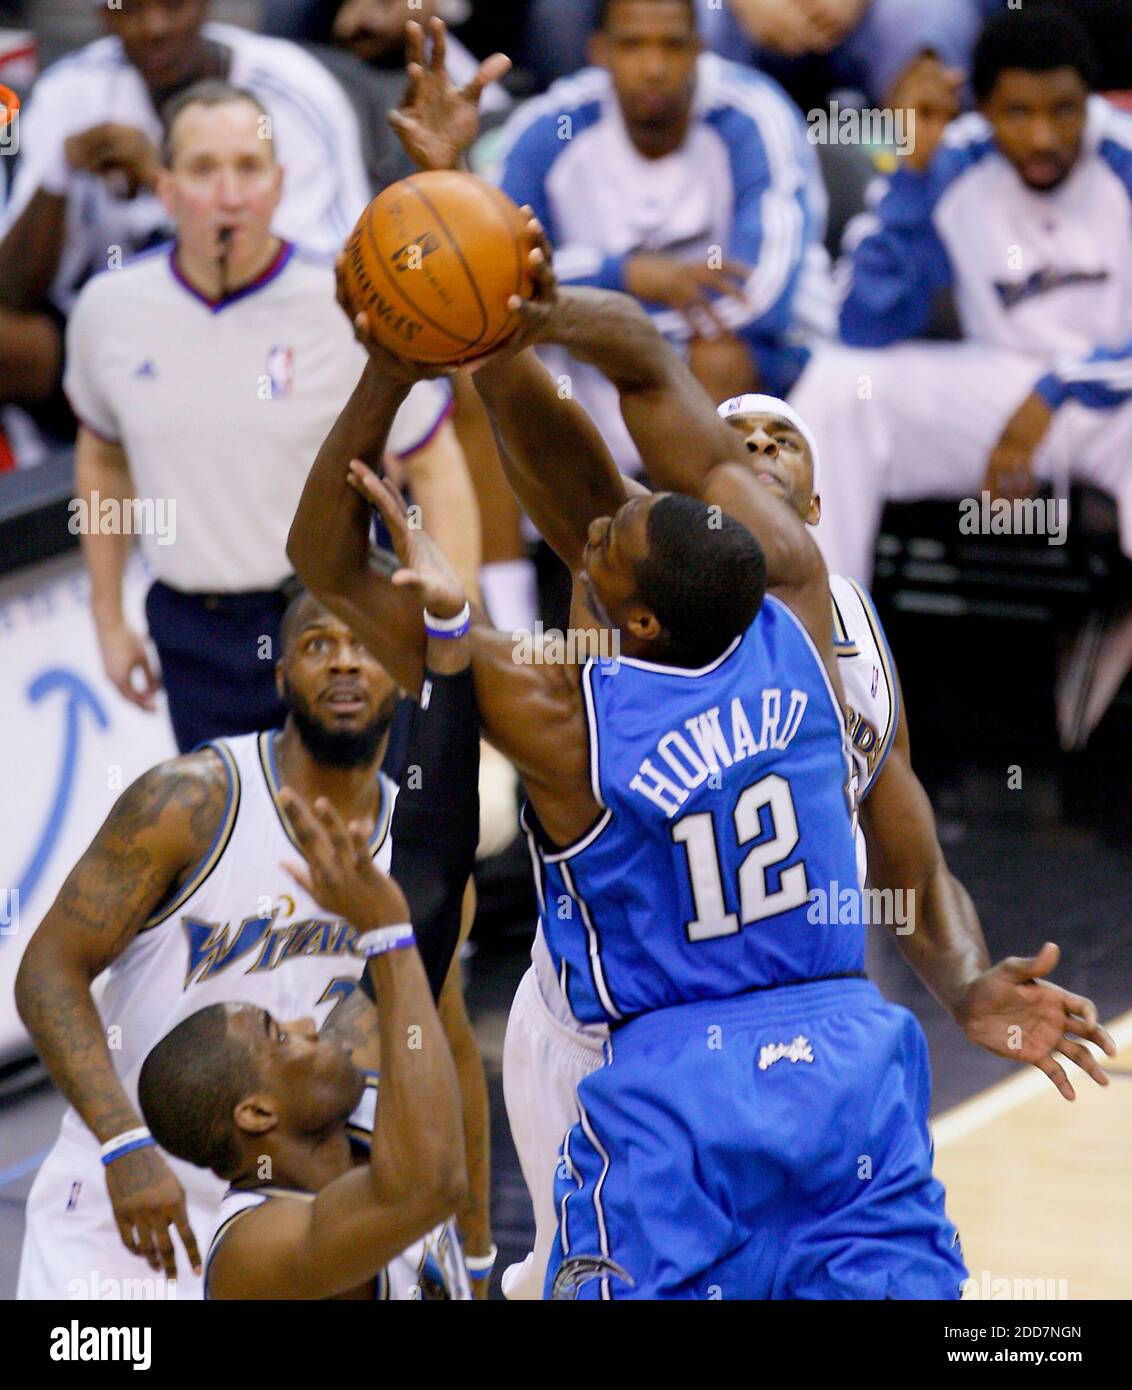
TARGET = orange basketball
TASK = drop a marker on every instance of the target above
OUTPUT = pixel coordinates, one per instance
(433, 261)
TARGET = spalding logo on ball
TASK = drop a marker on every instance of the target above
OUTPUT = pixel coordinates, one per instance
(433, 262)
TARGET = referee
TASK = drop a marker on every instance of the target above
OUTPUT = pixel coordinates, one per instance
(205, 376)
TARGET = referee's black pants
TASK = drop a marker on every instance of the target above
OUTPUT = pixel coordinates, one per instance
(218, 655)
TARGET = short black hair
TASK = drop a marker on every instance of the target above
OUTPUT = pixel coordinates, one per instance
(605, 6)
(704, 578)
(213, 91)
(1037, 38)
(190, 1084)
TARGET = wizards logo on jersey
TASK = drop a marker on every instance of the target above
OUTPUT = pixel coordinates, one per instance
(863, 736)
(215, 946)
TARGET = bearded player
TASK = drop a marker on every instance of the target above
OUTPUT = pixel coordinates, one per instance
(331, 1172)
(182, 897)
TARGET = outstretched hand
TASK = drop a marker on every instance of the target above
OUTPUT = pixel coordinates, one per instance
(424, 567)
(340, 874)
(1014, 1012)
(436, 120)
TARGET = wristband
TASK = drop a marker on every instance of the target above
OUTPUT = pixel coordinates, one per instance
(480, 1266)
(382, 939)
(449, 627)
(126, 1144)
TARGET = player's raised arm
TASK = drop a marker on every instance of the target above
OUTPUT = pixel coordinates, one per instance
(529, 710)
(1010, 1008)
(555, 460)
(159, 828)
(329, 542)
(436, 820)
(683, 444)
(415, 1178)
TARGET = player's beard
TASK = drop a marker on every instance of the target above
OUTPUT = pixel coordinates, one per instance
(339, 748)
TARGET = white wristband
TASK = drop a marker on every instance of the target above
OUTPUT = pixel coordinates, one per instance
(382, 939)
(125, 1143)
(480, 1266)
(449, 627)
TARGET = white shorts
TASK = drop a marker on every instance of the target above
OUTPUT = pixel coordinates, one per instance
(543, 1062)
(72, 1249)
(920, 420)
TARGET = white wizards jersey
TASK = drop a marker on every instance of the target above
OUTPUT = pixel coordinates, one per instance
(868, 676)
(239, 930)
(1044, 273)
(431, 1269)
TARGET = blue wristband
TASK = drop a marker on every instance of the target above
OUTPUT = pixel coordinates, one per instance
(382, 939)
(479, 1267)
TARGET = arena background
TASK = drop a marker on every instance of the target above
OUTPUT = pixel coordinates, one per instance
(1037, 1188)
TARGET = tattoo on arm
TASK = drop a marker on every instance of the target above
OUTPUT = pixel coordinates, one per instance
(155, 835)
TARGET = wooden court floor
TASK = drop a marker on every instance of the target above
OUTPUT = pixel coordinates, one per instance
(1040, 1188)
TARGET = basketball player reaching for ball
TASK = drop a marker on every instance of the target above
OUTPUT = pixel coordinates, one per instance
(331, 1175)
(547, 1050)
(686, 801)
(182, 896)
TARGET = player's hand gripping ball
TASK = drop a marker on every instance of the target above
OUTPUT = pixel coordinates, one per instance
(432, 263)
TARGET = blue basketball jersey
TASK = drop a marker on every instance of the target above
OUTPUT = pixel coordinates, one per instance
(723, 860)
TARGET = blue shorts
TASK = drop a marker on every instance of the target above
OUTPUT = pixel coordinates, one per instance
(774, 1145)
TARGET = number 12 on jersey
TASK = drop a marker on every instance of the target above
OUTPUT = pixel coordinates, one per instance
(696, 833)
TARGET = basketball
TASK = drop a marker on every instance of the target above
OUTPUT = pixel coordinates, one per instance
(433, 261)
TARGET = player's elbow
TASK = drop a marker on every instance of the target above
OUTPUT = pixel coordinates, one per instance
(317, 564)
(42, 974)
(451, 1187)
(439, 1188)
(304, 555)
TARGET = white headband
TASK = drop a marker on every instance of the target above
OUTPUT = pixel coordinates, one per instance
(772, 405)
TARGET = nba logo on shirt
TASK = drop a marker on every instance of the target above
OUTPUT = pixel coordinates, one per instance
(281, 371)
